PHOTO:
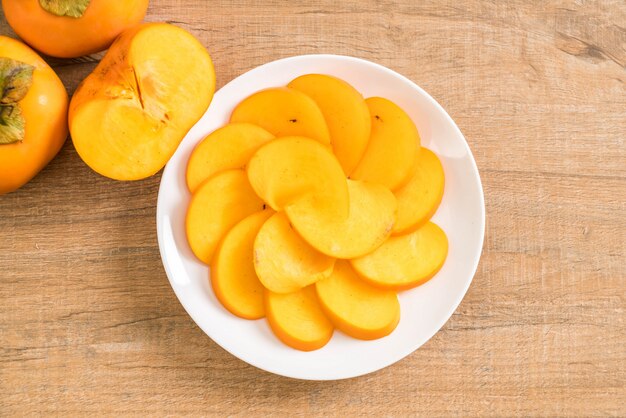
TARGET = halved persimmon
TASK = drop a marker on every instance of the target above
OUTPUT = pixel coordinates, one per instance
(128, 116)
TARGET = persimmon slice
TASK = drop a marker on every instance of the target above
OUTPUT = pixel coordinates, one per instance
(298, 320)
(390, 152)
(226, 148)
(405, 261)
(284, 262)
(218, 204)
(345, 112)
(233, 277)
(419, 199)
(283, 112)
(356, 307)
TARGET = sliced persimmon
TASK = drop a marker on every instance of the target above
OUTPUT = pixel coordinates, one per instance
(372, 215)
(405, 261)
(298, 320)
(286, 169)
(218, 204)
(345, 112)
(419, 199)
(233, 278)
(390, 153)
(283, 112)
(226, 148)
(356, 307)
(283, 261)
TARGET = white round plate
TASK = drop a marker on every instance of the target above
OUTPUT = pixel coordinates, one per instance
(425, 309)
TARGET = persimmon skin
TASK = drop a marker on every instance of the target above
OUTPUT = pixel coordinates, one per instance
(45, 111)
(69, 37)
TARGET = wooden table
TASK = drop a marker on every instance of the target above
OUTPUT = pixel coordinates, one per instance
(89, 323)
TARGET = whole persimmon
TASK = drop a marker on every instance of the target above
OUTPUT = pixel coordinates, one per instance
(33, 114)
(71, 28)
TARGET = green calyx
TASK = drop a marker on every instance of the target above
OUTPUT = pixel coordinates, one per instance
(69, 8)
(15, 80)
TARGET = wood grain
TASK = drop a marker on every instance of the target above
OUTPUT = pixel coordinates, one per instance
(88, 321)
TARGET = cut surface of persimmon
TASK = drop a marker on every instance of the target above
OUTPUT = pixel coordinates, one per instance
(233, 277)
(394, 141)
(286, 169)
(218, 204)
(298, 320)
(283, 112)
(71, 28)
(372, 214)
(356, 307)
(33, 114)
(419, 199)
(226, 148)
(283, 261)
(345, 112)
(405, 261)
(128, 116)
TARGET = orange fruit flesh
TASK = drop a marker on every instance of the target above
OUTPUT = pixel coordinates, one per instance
(390, 153)
(218, 204)
(298, 320)
(371, 217)
(128, 117)
(283, 112)
(405, 261)
(419, 199)
(345, 112)
(289, 168)
(356, 307)
(226, 148)
(233, 277)
(284, 262)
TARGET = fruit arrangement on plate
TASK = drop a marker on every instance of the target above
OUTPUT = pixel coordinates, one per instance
(312, 208)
